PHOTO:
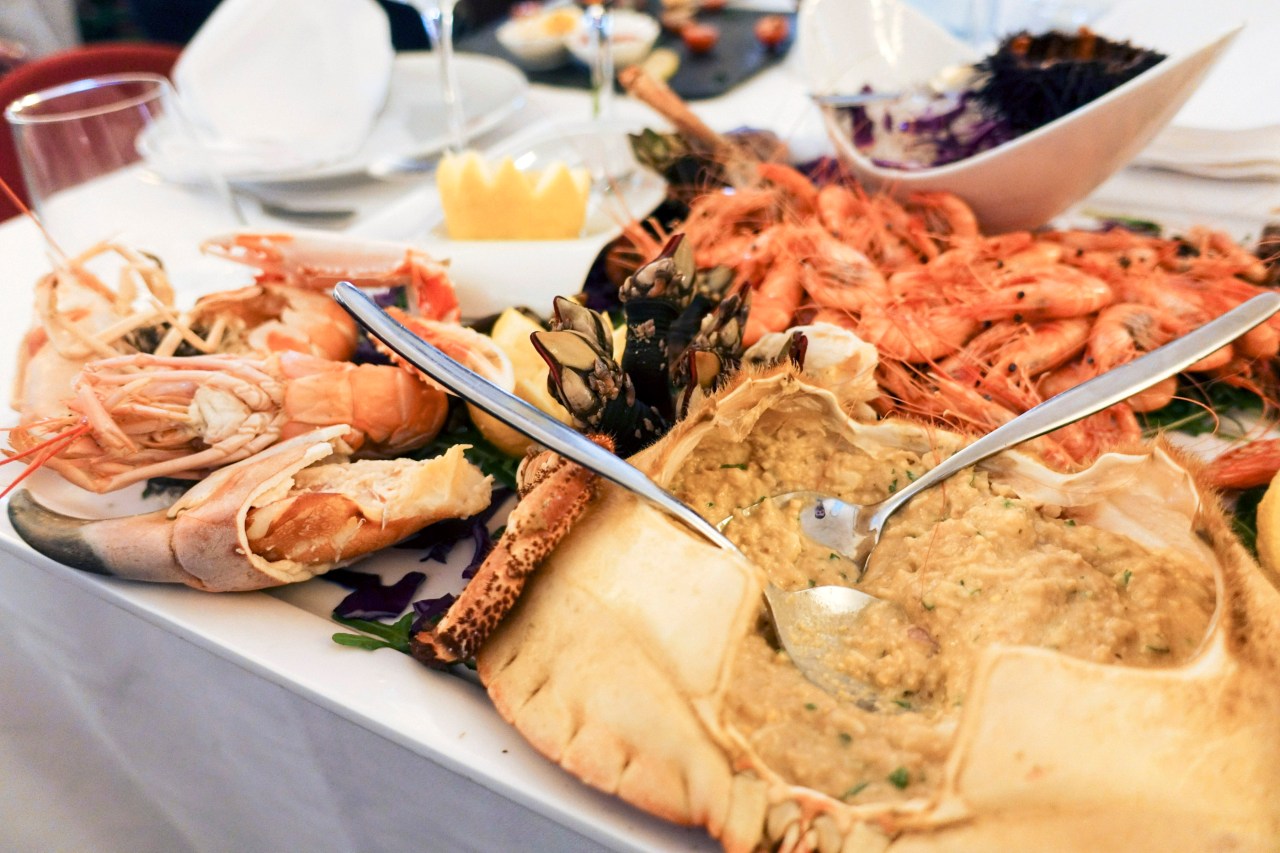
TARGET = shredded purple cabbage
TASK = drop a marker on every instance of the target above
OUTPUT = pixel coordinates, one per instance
(387, 297)
(428, 611)
(370, 598)
(439, 539)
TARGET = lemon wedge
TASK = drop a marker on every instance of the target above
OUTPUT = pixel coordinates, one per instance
(511, 333)
(1268, 527)
(486, 201)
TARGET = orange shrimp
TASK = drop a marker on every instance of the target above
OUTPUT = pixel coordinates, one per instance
(1124, 331)
(945, 216)
(1053, 382)
(1215, 255)
(1069, 375)
(953, 404)
(837, 207)
(838, 276)
(800, 191)
(1253, 464)
(915, 331)
(1261, 342)
(1112, 428)
(773, 303)
(1006, 360)
(1051, 293)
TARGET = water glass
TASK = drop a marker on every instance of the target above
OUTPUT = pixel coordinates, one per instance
(113, 158)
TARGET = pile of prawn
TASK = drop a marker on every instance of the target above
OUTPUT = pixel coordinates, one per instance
(972, 330)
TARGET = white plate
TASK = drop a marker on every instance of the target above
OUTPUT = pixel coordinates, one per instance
(491, 275)
(412, 122)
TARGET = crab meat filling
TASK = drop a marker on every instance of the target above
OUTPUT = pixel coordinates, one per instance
(964, 566)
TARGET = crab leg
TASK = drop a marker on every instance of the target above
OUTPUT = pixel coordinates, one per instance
(558, 495)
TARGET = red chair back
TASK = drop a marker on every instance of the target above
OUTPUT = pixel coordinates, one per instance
(77, 63)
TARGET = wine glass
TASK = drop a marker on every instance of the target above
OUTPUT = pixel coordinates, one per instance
(437, 18)
(113, 158)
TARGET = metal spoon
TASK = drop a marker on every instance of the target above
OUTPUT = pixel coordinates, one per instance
(291, 210)
(853, 530)
(857, 99)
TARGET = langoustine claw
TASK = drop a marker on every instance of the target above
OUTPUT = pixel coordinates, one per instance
(320, 259)
(284, 515)
(554, 493)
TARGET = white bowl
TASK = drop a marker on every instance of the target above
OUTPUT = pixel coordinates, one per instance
(634, 35)
(1025, 182)
(535, 42)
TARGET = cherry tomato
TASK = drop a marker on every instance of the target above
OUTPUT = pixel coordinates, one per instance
(527, 9)
(772, 30)
(700, 38)
(712, 5)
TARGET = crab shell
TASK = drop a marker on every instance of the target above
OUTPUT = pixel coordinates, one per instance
(616, 659)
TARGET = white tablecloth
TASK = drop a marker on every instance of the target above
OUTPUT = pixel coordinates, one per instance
(125, 725)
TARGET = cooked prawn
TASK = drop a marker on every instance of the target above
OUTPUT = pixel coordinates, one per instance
(1051, 293)
(131, 418)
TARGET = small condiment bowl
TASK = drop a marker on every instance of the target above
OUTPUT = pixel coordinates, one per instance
(537, 41)
(1022, 183)
(634, 35)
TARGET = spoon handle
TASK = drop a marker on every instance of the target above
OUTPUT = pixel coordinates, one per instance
(516, 413)
(1095, 395)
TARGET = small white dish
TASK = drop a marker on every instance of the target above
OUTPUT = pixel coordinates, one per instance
(1027, 181)
(634, 35)
(491, 275)
(537, 41)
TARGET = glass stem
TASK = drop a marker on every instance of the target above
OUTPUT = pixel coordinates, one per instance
(438, 19)
(602, 62)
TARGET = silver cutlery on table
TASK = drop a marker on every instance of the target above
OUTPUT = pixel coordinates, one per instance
(281, 208)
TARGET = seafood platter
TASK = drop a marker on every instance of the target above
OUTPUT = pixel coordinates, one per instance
(1075, 643)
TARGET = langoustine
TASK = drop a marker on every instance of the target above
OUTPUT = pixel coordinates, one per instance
(285, 514)
(319, 260)
(130, 418)
(80, 416)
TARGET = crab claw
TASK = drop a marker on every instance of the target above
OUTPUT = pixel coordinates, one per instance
(276, 518)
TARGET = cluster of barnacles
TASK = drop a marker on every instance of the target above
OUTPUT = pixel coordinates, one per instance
(684, 338)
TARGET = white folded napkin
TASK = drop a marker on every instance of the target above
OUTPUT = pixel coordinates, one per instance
(286, 85)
